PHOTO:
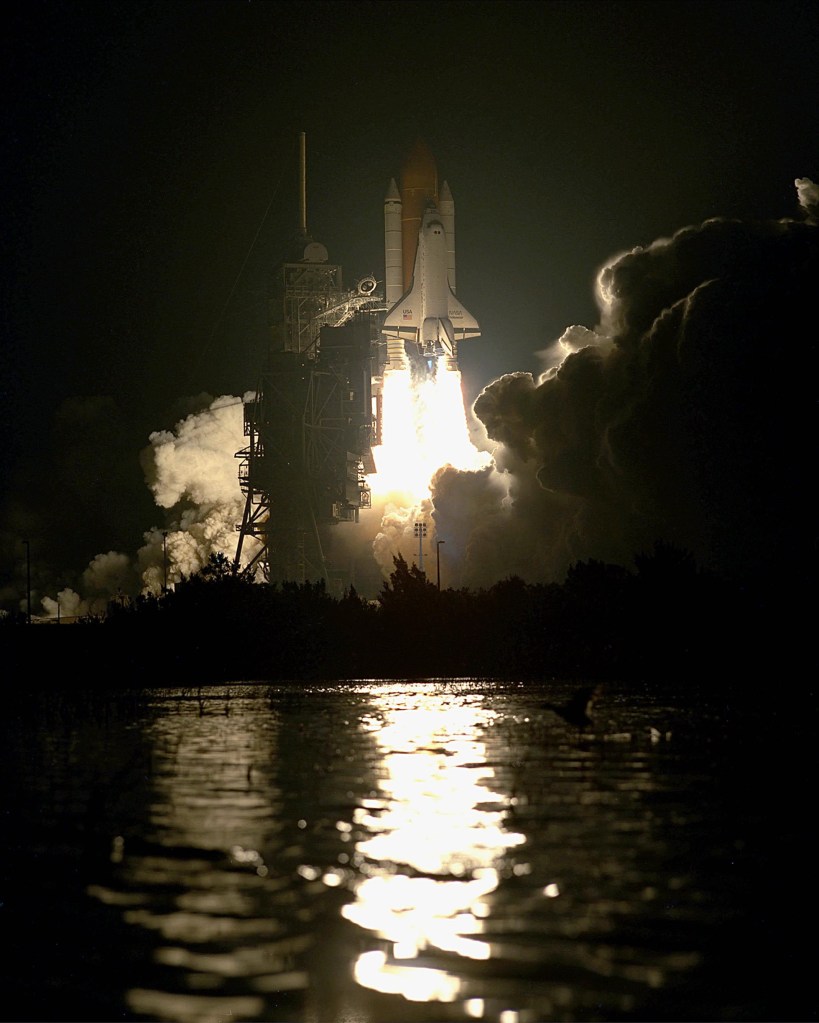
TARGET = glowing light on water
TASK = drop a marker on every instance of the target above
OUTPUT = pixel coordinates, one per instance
(373, 970)
(433, 840)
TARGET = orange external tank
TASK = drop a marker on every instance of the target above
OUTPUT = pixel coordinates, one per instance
(418, 186)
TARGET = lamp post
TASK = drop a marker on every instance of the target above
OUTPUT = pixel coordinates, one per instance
(420, 530)
(438, 559)
(28, 582)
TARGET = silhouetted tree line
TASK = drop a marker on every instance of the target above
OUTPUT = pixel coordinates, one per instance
(664, 617)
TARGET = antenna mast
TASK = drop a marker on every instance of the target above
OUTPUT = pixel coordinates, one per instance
(302, 184)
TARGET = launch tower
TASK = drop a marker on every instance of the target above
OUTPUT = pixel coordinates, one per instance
(310, 426)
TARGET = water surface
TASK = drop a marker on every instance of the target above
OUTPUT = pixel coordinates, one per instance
(380, 851)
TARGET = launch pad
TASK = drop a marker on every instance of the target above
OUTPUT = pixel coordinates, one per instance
(317, 411)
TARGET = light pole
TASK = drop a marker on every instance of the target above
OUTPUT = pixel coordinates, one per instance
(165, 561)
(438, 559)
(28, 582)
(420, 530)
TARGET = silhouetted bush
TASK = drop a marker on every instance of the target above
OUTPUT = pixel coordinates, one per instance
(665, 618)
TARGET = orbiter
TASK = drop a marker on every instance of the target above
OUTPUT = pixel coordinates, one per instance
(423, 308)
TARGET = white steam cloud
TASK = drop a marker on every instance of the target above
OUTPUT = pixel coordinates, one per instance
(192, 471)
(808, 194)
(106, 576)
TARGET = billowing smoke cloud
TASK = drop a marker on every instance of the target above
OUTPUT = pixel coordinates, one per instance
(107, 576)
(193, 473)
(681, 416)
(396, 526)
(808, 193)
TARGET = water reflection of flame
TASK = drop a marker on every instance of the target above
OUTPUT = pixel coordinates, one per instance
(432, 841)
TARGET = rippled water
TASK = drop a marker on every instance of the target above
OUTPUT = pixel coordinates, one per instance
(378, 851)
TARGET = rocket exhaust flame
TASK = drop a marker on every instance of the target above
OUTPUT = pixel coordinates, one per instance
(424, 428)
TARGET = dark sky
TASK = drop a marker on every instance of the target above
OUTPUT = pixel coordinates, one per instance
(149, 189)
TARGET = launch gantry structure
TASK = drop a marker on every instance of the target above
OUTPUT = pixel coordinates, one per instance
(311, 426)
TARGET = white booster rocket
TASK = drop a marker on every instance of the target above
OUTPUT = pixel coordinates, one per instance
(419, 256)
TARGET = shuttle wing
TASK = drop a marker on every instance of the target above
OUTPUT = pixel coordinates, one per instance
(406, 316)
(465, 324)
(412, 320)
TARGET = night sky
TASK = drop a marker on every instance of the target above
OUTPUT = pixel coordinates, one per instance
(149, 190)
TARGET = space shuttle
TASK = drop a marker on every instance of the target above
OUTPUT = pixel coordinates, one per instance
(425, 318)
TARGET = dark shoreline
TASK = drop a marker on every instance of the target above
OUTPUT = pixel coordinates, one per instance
(667, 620)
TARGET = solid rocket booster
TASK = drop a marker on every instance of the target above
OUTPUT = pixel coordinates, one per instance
(420, 272)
